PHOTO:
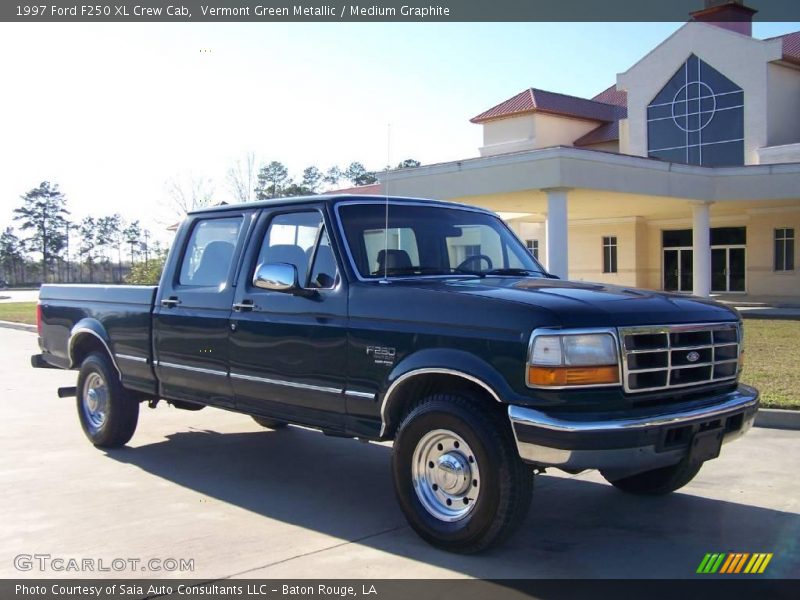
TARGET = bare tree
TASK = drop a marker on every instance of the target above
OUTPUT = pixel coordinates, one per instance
(189, 192)
(241, 178)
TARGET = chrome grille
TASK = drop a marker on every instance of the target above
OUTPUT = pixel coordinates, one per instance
(676, 356)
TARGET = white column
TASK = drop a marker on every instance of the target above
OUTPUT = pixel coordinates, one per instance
(701, 249)
(556, 232)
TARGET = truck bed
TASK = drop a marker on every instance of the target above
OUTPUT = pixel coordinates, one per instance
(118, 316)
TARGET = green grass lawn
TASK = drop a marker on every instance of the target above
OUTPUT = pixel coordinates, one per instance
(19, 312)
(772, 361)
(771, 358)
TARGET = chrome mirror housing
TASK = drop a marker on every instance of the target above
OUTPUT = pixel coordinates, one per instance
(276, 277)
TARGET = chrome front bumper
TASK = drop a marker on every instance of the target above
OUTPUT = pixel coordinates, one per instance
(629, 444)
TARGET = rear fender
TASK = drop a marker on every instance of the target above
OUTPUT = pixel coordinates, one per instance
(84, 330)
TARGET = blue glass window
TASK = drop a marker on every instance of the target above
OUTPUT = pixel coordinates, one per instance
(697, 118)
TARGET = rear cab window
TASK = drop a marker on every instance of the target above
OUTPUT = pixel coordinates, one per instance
(209, 252)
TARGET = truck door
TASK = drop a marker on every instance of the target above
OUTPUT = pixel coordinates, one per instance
(287, 351)
(193, 308)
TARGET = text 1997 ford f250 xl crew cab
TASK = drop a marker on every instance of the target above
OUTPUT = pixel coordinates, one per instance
(422, 322)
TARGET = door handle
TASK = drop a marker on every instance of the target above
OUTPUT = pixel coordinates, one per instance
(245, 304)
(170, 302)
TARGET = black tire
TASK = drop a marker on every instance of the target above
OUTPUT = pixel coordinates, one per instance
(506, 483)
(269, 423)
(122, 410)
(657, 482)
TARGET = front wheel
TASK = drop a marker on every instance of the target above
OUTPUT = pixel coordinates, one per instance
(457, 475)
(658, 481)
(107, 411)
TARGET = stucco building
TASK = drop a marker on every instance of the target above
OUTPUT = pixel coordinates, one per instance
(683, 175)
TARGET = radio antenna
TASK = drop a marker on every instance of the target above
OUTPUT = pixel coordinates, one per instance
(386, 209)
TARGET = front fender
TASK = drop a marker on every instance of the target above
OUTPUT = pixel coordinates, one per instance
(442, 361)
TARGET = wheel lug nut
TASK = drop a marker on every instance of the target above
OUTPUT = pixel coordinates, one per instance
(435, 487)
(430, 464)
(449, 502)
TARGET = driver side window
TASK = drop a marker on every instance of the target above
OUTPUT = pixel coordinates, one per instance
(300, 239)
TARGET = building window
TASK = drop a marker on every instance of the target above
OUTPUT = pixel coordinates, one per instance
(697, 118)
(784, 249)
(610, 254)
(533, 247)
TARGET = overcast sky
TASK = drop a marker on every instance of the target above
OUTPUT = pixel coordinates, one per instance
(110, 112)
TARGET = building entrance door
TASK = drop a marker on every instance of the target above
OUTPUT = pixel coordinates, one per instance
(678, 269)
(728, 269)
(728, 256)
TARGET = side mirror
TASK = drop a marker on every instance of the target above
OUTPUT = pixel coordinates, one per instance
(276, 277)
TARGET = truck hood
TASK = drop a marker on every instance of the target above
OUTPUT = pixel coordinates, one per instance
(583, 304)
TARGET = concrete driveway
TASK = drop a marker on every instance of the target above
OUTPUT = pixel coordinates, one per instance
(19, 295)
(246, 502)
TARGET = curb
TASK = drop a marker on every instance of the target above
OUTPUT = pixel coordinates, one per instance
(749, 314)
(19, 326)
(778, 418)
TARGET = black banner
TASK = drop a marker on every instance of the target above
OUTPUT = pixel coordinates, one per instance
(730, 588)
(378, 10)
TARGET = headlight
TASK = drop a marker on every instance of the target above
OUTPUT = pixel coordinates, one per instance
(572, 359)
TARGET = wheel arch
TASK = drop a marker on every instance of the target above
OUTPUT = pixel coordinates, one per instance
(434, 370)
(87, 336)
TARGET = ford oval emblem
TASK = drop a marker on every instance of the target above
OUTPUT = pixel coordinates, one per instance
(693, 356)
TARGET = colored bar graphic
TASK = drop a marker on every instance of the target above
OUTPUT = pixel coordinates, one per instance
(765, 563)
(703, 563)
(730, 563)
(717, 563)
(740, 564)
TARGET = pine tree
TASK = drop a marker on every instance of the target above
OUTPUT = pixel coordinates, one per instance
(44, 215)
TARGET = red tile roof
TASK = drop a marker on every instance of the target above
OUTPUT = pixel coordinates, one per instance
(791, 47)
(535, 100)
(374, 188)
(611, 95)
(607, 132)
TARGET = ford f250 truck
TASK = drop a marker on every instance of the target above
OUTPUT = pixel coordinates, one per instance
(422, 322)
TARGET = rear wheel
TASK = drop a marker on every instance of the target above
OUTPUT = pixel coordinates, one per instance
(658, 481)
(457, 475)
(269, 423)
(108, 413)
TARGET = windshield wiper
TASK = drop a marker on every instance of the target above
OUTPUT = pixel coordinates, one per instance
(509, 271)
(401, 271)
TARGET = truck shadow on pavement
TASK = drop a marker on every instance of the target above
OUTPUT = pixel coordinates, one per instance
(576, 528)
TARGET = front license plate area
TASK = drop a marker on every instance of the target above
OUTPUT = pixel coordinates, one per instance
(706, 445)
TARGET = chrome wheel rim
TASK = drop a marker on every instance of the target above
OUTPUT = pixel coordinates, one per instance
(445, 473)
(95, 400)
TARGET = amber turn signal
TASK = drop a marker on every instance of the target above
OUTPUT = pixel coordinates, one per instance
(561, 376)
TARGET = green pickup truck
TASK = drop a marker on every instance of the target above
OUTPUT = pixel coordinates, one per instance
(422, 322)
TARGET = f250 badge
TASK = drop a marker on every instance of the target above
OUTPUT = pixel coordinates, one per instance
(381, 355)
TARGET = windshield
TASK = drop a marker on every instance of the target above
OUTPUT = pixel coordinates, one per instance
(431, 240)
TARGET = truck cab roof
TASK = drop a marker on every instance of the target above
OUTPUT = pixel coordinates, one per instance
(333, 199)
